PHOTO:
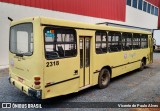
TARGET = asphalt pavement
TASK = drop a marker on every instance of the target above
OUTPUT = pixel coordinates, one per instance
(135, 86)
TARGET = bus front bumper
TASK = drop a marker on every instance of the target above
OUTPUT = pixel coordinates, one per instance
(27, 90)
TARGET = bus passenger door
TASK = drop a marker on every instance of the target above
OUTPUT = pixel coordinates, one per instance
(84, 44)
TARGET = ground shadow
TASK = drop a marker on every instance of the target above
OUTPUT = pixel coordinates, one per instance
(156, 51)
(125, 75)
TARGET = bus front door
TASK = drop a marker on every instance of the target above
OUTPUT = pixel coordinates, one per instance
(84, 46)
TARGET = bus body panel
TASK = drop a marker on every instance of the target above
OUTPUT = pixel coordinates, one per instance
(63, 75)
(58, 78)
(22, 70)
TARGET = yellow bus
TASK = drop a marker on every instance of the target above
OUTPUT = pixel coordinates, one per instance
(50, 57)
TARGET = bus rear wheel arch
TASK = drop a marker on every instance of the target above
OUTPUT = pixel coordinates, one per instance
(104, 78)
(142, 64)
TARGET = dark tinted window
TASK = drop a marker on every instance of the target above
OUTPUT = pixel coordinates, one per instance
(144, 6)
(149, 8)
(152, 10)
(114, 41)
(156, 11)
(140, 3)
(87, 61)
(101, 42)
(81, 52)
(134, 3)
(129, 2)
(59, 42)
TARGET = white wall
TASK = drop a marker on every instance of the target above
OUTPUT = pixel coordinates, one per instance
(133, 17)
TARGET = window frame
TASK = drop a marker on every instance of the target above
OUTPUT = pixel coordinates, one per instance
(49, 43)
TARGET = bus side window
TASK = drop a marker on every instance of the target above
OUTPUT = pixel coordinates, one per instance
(60, 43)
(126, 41)
(136, 41)
(101, 42)
(114, 41)
(144, 41)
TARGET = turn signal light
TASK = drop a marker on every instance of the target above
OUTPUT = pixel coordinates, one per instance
(37, 78)
(37, 82)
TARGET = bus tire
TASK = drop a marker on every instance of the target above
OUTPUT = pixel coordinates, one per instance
(104, 78)
(142, 65)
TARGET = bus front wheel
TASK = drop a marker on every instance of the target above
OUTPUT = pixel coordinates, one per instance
(104, 78)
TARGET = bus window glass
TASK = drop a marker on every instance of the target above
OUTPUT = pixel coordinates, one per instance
(59, 37)
(87, 62)
(81, 53)
(49, 48)
(144, 41)
(127, 41)
(101, 42)
(62, 44)
(136, 41)
(114, 41)
(21, 39)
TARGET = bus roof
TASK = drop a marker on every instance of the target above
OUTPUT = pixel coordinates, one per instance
(77, 25)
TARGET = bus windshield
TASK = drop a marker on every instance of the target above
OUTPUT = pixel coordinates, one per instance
(21, 39)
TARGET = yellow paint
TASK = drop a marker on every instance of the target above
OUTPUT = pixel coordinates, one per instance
(30, 66)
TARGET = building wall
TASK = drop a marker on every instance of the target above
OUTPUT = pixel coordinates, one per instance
(157, 3)
(135, 17)
(108, 9)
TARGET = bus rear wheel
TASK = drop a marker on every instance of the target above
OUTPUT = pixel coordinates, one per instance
(142, 65)
(104, 78)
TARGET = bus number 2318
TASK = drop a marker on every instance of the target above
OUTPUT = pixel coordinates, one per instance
(50, 64)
